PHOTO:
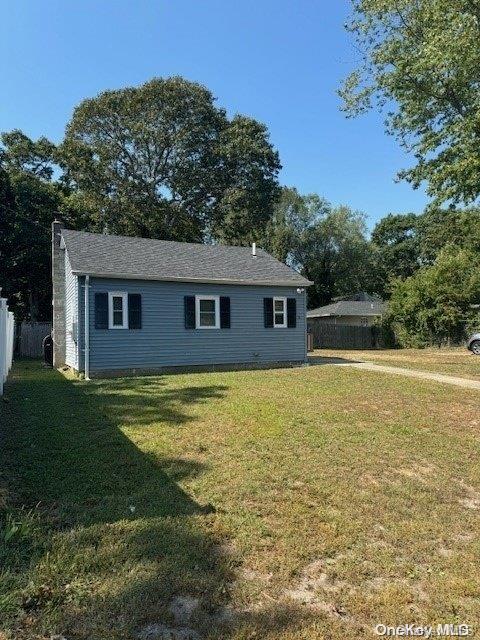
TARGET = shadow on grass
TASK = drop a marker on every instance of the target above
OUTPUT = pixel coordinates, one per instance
(67, 451)
(322, 360)
(118, 538)
(145, 401)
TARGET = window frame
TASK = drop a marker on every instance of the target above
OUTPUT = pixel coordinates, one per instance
(284, 325)
(124, 296)
(198, 299)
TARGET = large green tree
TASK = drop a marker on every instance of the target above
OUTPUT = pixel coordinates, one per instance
(29, 200)
(396, 249)
(326, 244)
(437, 228)
(293, 215)
(335, 253)
(161, 160)
(421, 65)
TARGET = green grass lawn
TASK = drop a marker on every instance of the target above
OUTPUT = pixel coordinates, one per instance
(456, 361)
(308, 503)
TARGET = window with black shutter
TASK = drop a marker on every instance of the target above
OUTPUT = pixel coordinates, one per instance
(279, 313)
(117, 310)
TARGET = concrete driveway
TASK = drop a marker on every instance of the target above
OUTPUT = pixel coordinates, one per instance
(402, 371)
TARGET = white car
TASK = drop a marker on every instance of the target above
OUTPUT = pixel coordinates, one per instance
(473, 344)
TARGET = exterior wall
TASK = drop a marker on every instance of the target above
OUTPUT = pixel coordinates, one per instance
(58, 296)
(71, 316)
(163, 340)
(352, 321)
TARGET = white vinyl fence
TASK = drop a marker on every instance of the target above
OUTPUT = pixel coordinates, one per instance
(7, 327)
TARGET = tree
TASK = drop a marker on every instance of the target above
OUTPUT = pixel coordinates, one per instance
(246, 186)
(7, 207)
(421, 65)
(161, 160)
(336, 255)
(293, 214)
(440, 227)
(396, 246)
(326, 244)
(437, 305)
(29, 200)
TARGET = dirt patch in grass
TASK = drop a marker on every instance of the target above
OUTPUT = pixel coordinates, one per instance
(300, 504)
(316, 589)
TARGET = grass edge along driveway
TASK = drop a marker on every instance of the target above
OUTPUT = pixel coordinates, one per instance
(455, 361)
(299, 503)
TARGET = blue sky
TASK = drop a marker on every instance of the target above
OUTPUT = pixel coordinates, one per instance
(276, 60)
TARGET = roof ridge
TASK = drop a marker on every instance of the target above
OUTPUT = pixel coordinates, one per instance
(181, 242)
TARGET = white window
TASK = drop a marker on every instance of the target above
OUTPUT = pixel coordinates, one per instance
(117, 310)
(207, 312)
(279, 312)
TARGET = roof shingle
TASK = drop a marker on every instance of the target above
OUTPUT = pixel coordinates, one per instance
(146, 259)
(349, 308)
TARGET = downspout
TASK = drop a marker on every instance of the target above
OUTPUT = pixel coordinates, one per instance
(87, 328)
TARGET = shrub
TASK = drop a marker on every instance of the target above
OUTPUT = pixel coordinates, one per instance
(435, 305)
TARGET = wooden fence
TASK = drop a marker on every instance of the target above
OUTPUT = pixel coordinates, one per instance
(340, 336)
(7, 329)
(30, 338)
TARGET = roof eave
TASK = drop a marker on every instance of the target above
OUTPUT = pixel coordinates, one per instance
(341, 315)
(123, 276)
(320, 315)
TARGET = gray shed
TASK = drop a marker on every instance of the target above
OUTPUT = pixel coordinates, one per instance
(359, 310)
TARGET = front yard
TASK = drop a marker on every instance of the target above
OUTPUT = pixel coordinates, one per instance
(308, 503)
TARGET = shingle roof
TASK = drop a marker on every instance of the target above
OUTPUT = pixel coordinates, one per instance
(360, 296)
(145, 259)
(349, 308)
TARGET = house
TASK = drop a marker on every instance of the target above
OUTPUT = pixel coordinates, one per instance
(126, 305)
(360, 309)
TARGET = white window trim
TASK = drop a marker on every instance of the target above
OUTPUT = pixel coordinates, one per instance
(284, 323)
(217, 311)
(124, 296)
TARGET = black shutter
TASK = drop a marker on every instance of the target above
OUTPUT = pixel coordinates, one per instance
(134, 311)
(101, 311)
(224, 312)
(268, 312)
(291, 313)
(189, 305)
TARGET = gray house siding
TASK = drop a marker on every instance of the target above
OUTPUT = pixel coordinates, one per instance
(71, 315)
(163, 340)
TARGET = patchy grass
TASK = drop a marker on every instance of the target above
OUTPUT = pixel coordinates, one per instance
(288, 504)
(451, 362)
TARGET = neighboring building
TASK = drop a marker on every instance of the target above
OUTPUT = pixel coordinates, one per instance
(154, 305)
(360, 309)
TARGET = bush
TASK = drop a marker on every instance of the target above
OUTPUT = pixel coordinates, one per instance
(434, 306)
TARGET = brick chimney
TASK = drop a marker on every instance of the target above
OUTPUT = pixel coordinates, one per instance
(58, 295)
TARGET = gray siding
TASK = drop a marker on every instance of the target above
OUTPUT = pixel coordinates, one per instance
(163, 340)
(71, 315)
